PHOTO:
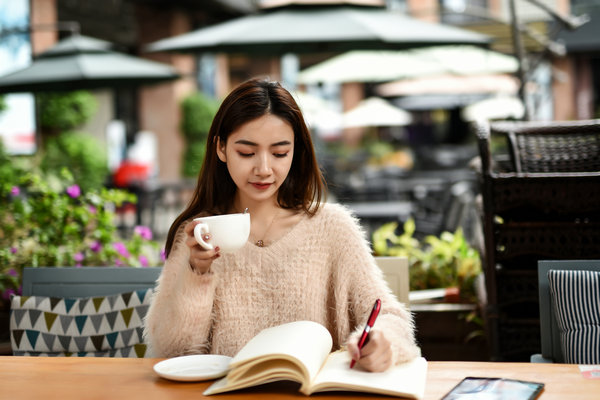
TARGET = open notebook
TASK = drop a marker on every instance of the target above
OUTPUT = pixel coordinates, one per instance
(300, 351)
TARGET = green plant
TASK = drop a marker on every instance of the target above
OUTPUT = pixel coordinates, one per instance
(437, 262)
(65, 111)
(2, 104)
(193, 157)
(81, 154)
(198, 112)
(52, 222)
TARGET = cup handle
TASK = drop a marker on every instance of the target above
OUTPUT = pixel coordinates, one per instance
(200, 230)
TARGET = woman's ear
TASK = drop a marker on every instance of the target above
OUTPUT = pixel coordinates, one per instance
(221, 150)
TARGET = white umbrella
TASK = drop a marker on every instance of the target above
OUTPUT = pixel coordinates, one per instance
(375, 111)
(319, 114)
(452, 84)
(382, 66)
(501, 107)
(368, 66)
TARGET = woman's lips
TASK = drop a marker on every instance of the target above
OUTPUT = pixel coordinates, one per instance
(261, 186)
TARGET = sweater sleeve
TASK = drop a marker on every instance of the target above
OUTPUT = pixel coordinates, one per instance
(364, 282)
(179, 319)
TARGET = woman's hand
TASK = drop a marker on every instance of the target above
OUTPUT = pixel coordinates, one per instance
(376, 355)
(200, 259)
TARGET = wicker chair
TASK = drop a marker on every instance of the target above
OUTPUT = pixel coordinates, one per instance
(540, 201)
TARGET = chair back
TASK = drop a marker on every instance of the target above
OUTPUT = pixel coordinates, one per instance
(91, 311)
(556, 146)
(552, 349)
(395, 271)
(87, 281)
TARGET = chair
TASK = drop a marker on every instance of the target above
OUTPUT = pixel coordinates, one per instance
(87, 281)
(556, 146)
(540, 201)
(395, 271)
(91, 311)
(551, 346)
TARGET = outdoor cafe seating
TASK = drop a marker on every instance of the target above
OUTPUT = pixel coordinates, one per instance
(540, 202)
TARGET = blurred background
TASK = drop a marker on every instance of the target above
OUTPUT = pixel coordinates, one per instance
(407, 151)
(108, 104)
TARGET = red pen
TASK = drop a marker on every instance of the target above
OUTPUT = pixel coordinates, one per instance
(364, 338)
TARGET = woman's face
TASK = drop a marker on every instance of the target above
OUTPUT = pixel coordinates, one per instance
(259, 157)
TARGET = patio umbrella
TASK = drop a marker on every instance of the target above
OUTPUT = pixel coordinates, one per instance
(313, 29)
(501, 107)
(80, 62)
(382, 66)
(319, 114)
(375, 111)
(450, 84)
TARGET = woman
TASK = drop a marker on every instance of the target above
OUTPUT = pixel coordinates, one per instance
(305, 259)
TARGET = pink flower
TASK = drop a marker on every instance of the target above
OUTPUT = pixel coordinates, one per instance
(119, 263)
(92, 209)
(96, 246)
(121, 249)
(13, 272)
(143, 231)
(163, 255)
(13, 250)
(143, 260)
(78, 257)
(6, 294)
(73, 191)
(15, 191)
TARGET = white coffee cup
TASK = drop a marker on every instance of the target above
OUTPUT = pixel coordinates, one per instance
(229, 232)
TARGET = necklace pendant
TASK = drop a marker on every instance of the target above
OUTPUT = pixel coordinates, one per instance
(260, 243)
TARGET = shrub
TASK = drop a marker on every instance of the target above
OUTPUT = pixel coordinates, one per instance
(65, 111)
(198, 112)
(437, 262)
(81, 154)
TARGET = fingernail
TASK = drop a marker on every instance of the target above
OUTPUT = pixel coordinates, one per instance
(217, 249)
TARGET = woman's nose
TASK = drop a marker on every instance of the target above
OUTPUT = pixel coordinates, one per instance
(263, 166)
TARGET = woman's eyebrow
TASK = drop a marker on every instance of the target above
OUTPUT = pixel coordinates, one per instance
(250, 143)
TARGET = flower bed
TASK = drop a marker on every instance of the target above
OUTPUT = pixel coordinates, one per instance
(48, 221)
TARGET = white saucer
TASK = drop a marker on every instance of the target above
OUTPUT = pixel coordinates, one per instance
(193, 368)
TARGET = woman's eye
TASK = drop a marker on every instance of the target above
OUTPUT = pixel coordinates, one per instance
(280, 155)
(245, 154)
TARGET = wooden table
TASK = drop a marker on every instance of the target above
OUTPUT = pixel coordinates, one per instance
(24, 378)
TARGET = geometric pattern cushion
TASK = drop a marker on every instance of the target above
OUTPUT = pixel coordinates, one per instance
(103, 326)
(576, 300)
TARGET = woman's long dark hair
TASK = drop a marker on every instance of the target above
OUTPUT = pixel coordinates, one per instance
(304, 187)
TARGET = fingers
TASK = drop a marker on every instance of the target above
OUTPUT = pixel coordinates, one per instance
(352, 347)
(376, 355)
(200, 259)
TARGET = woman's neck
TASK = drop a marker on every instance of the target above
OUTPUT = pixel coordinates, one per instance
(256, 208)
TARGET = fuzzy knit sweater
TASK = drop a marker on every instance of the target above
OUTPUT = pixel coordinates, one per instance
(321, 270)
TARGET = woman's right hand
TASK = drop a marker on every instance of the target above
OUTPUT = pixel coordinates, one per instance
(200, 259)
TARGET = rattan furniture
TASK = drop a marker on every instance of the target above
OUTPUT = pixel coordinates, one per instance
(541, 200)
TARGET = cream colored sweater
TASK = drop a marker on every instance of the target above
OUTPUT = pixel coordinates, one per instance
(321, 270)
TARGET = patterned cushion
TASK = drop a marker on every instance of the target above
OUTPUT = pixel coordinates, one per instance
(109, 326)
(576, 300)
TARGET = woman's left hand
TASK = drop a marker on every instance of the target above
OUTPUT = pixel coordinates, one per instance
(375, 356)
